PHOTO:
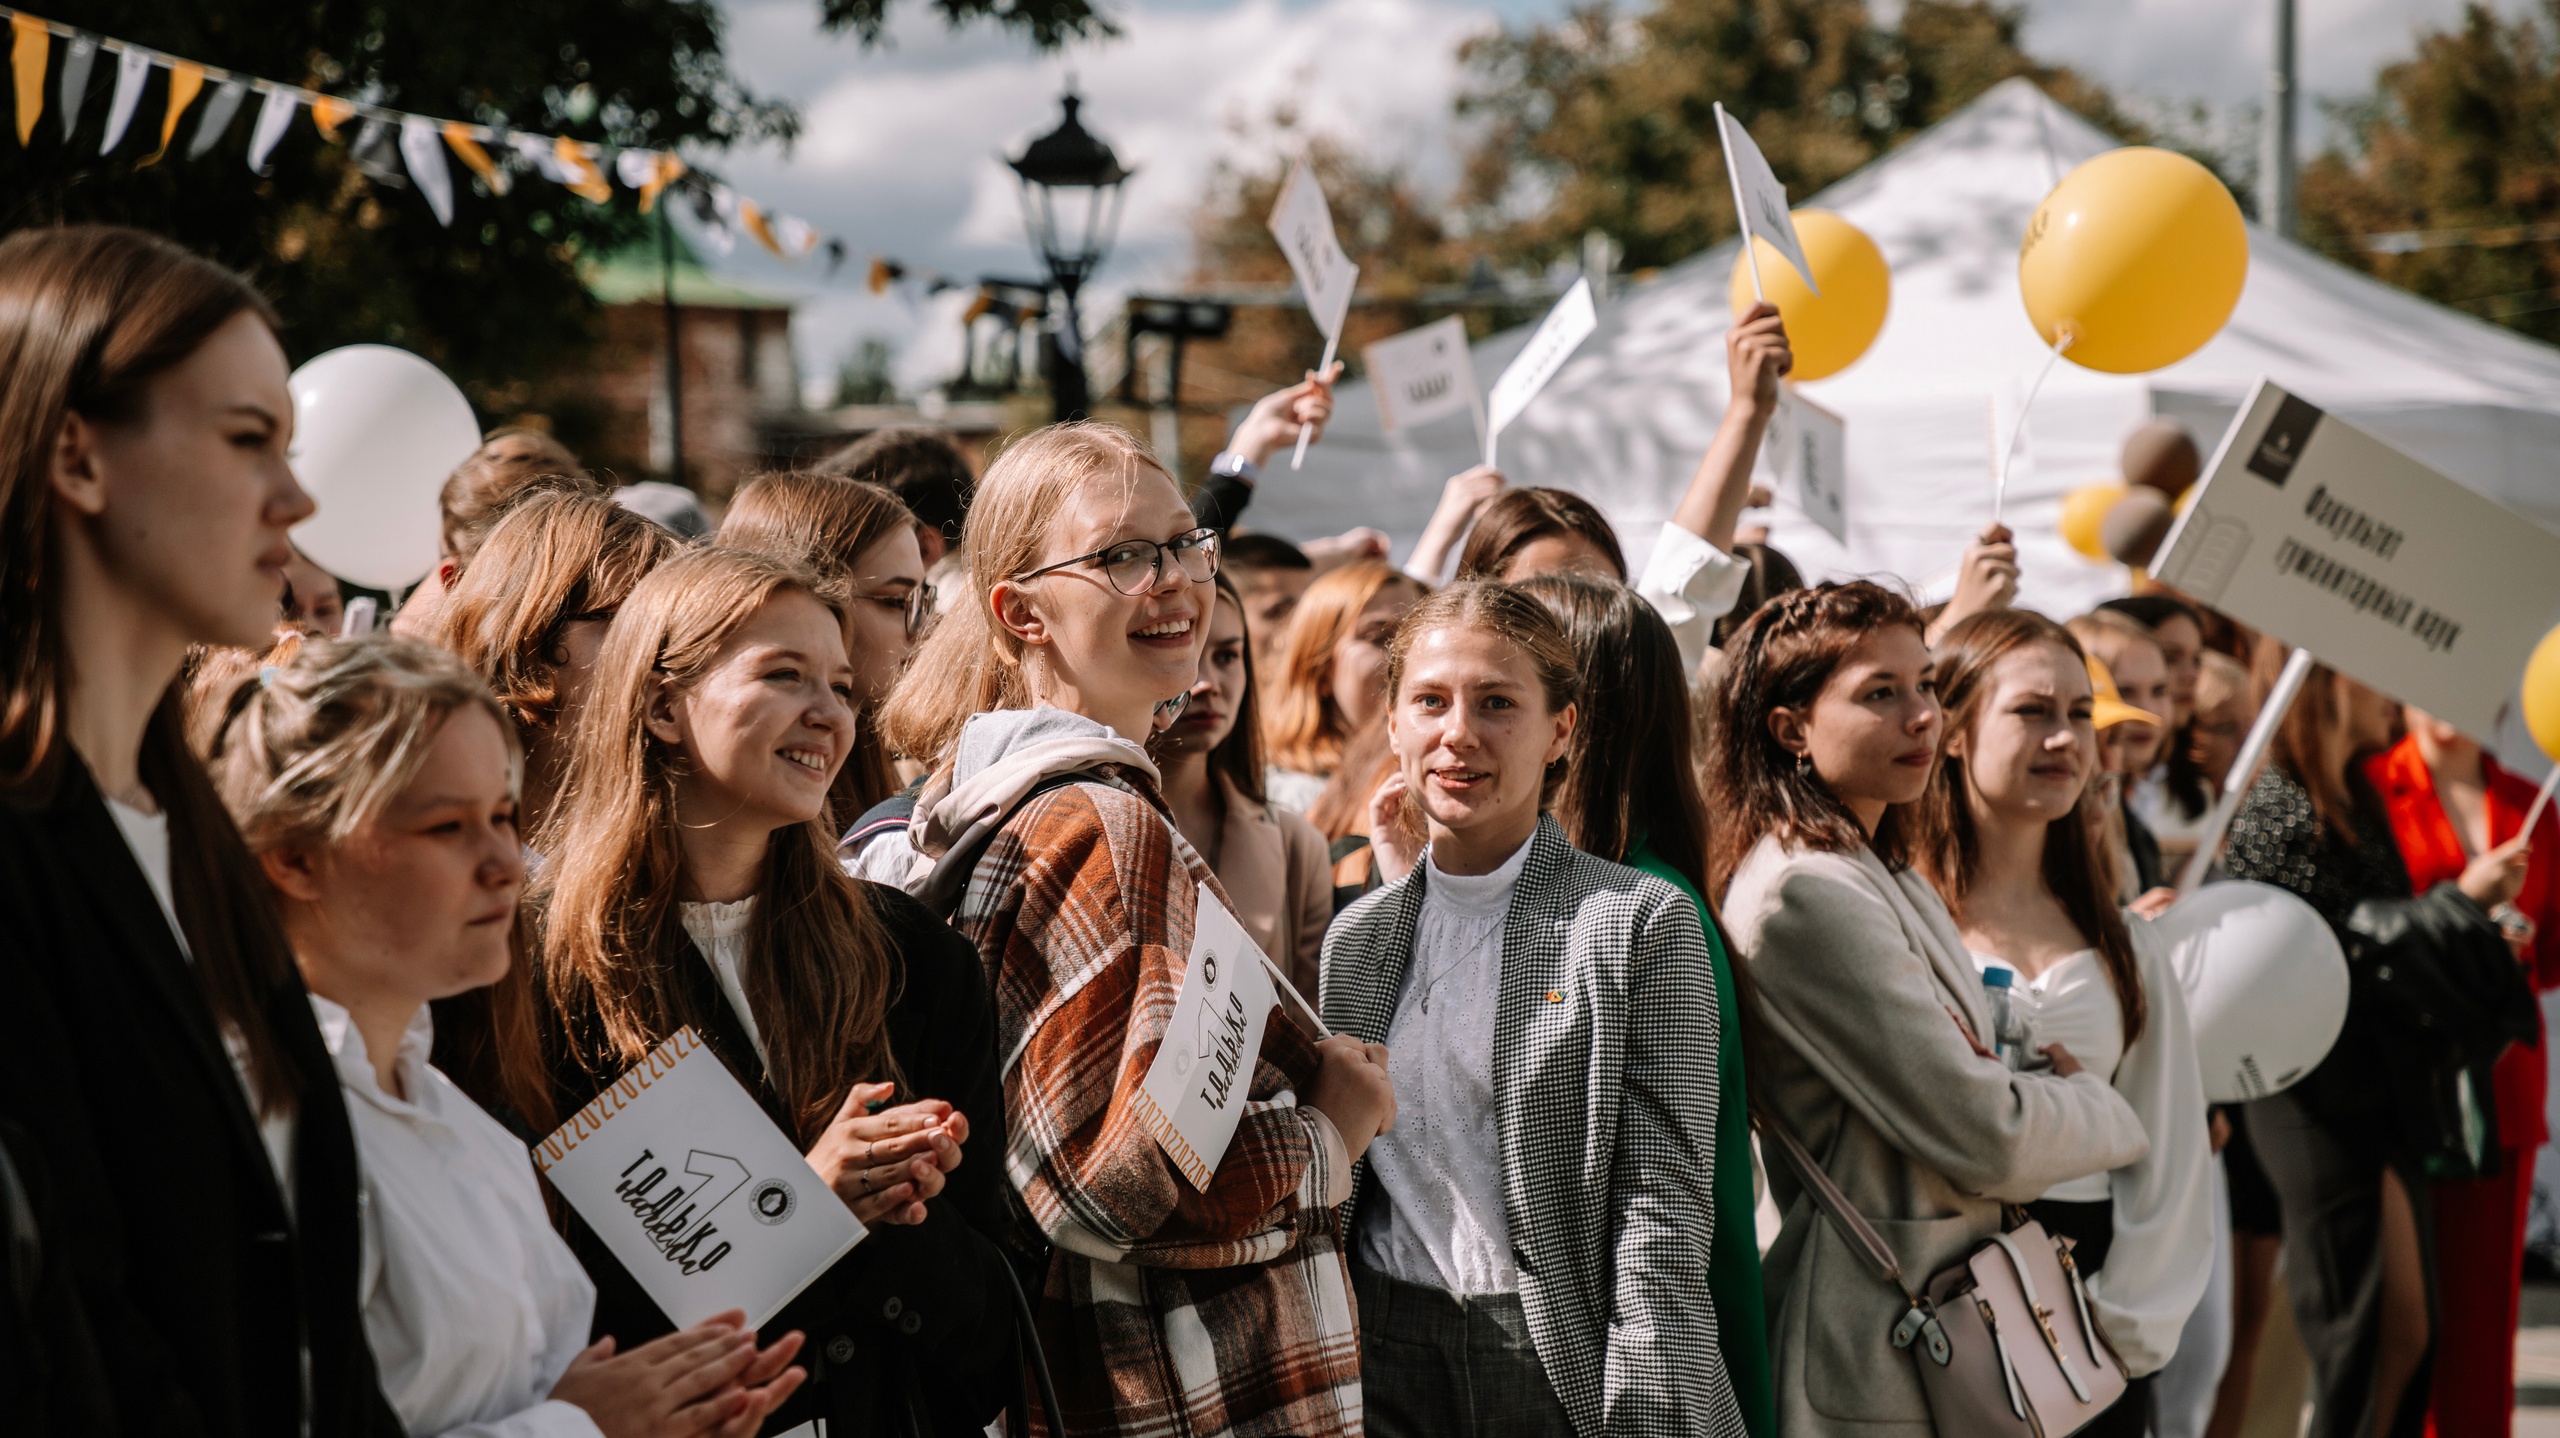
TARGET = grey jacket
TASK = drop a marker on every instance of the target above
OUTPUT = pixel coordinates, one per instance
(1862, 980)
(1604, 1054)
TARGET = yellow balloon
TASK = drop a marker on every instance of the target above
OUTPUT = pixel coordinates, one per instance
(2084, 518)
(2542, 694)
(2137, 257)
(1830, 330)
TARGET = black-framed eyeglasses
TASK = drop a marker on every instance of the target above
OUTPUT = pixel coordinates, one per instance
(915, 606)
(1134, 566)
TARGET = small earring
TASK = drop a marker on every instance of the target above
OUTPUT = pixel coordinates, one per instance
(1804, 764)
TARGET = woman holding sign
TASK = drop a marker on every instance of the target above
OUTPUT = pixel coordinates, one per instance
(376, 781)
(1197, 1284)
(691, 881)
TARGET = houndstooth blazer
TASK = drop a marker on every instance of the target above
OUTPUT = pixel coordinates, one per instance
(1604, 1055)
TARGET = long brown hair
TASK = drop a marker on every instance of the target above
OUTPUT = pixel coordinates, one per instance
(481, 489)
(819, 973)
(1520, 517)
(2077, 868)
(2311, 743)
(1303, 729)
(1781, 659)
(826, 522)
(90, 315)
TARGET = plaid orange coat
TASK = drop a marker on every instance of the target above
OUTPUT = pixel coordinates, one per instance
(1168, 1311)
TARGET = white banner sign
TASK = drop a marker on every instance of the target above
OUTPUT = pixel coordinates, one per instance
(1303, 224)
(1423, 375)
(1758, 199)
(1195, 1090)
(695, 1191)
(2325, 537)
(1806, 457)
(1554, 341)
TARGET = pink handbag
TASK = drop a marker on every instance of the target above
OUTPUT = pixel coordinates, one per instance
(2005, 1340)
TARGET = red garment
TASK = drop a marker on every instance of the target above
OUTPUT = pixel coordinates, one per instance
(2480, 1223)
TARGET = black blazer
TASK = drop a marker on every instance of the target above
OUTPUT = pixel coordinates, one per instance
(915, 1320)
(198, 1289)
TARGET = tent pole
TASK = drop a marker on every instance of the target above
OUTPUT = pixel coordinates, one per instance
(2276, 208)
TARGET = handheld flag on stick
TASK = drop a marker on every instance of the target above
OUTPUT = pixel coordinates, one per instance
(1759, 202)
(1303, 224)
(1550, 345)
(1423, 374)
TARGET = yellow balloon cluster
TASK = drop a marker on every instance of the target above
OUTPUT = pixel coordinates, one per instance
(1828, 331)
(2084, 518)
(2542, 694)
(2137, 258)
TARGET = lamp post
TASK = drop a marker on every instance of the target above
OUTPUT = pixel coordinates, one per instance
(1071, 207)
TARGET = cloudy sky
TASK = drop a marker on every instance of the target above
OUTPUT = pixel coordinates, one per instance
(899, 153)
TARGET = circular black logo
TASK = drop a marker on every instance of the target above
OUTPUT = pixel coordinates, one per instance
(772, 1201)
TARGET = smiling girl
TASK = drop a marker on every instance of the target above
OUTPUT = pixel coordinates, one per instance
(1875, 1029)
(1531, 1243)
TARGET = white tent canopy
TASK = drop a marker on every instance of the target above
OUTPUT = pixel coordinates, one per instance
(1628, 417)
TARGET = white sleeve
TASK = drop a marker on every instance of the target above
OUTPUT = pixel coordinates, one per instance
(550, 1418)
(2162, 1254)
(1692, 584)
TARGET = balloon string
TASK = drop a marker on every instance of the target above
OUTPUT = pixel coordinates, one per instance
(2018, 429)
(2540, 799)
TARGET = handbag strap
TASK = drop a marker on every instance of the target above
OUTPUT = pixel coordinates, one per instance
(1828, 1197)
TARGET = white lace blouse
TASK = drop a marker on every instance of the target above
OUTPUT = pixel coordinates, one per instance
(719, 934)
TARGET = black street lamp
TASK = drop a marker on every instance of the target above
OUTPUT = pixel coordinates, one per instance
(1071, 207)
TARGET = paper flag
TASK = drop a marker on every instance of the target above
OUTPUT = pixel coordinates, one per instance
(457, 135)
(329, 112)
(1422, 374)
(30, 45)
(275, 116)
(422, 150)
(584, 179)
(796, 235)
(1758, 199)
(76, 60)
(752, 216)
(634, 167)
(132, 68)
(1303, 224)
(884, 272)
(669, 170)
(185, 79)
(217, 117)
(1550, 345)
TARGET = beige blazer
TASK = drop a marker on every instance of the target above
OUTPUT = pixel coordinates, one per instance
(1273, 866)
(1861, 977)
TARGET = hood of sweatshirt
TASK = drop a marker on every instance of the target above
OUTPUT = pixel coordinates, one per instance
(1001, 757)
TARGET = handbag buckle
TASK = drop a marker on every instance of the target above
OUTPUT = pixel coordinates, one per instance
(1920, 1325)
(1912, 1323)
(1935, 1335)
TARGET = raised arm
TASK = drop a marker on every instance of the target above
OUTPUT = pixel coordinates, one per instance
(1692, 576)
(1269, 427)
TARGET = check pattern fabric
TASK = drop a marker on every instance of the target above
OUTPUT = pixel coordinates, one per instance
(1168, 1310)
(1604, 1056)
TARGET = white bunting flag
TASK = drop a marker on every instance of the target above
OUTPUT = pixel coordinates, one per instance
(1556, 338)
(76, 61)
(275, 116)
(133, 67)
(1195, 1090)
(422, 150)
(635, 168)
(1759, 200)
(218, 113)
(1423, 374)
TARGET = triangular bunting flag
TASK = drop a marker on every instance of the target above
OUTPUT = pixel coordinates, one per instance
(797, 236)
(458, 136)
(634, 167)
(76, 60)
(665, 170)
(752, 216)
(422, 150)
(884, 273)
(217, 117)
(329, 112)
(133, 67)
(30, 45)
(275, 116)
(185, 79)
(585, 180)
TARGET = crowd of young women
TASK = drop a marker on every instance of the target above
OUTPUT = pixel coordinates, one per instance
(312, 936)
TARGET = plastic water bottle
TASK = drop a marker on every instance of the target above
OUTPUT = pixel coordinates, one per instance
(2012, 1040)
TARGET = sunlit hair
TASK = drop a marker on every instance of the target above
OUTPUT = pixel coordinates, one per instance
(2312, 744)
(2078, 865)
(1519, 518)
(90, 316)
(968, 663)
(1302, 728)
(509, 464)
(2108, 633)
(1782, 659)
(827, 523)
(819, 973)
(1512, 616)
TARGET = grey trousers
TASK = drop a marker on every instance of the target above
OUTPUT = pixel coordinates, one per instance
(1435, 1365)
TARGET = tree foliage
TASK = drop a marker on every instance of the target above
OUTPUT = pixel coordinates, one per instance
(1049, 23)
(2456, 155)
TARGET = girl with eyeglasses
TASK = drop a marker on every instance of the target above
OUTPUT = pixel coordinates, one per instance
(861, 538)
(1165, 1307)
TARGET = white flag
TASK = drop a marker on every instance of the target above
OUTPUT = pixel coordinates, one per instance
(1195, 1090)
(1557, 337)
(275, 116)
(1807, 454)
(218, 113)
(133, 67)
(422, 149)
(1423, 374)
(1303, 224)
(76, 60)
(1758, 199)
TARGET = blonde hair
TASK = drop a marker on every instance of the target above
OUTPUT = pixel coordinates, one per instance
(481, 489)
(1303, 729)
(2106, 633)
(819, 973)
(968, 663)
(2220, 680)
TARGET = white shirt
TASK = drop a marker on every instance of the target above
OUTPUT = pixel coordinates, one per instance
(472, 1304)
(1293, 789)
(2073, 1004)
(1437, 1217)
(1691, 584)
(719, 933)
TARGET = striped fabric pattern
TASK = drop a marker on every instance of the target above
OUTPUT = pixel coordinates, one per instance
(1169, 1311)
(1605, 1060)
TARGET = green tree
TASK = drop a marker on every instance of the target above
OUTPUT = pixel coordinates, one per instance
(2448, 183)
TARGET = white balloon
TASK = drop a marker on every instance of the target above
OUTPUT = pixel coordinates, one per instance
(376, 431)
(2266, 986)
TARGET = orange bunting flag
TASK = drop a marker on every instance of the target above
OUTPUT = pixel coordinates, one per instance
(185, 79)
(752, 217)
(884, 273)
(329, 112)
(978, 307)
(30, 45)
(457, 138)
(665, 172)
(587, 182)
